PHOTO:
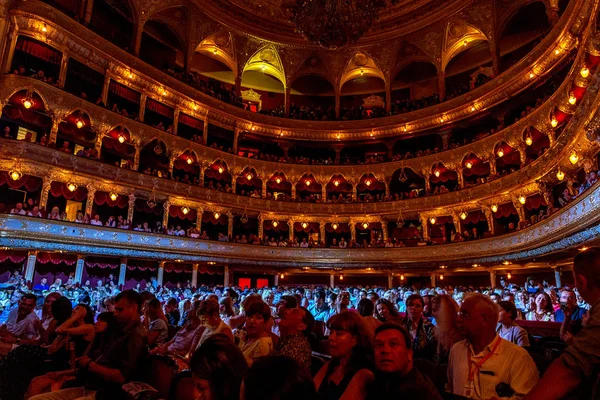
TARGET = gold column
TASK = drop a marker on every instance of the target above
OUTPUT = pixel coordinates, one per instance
(12, 44)
(45, 193)
(230, 225)
(131, 207)
(424, 226)
(261, 222)
(205, 130)
(322, 231)
(89, 204)
(142, 110)
(236, 138)
(166, 207)
(53, 131)
(290, 223)
(176, 120)
(489, 215)
(353, 231)
(105, 87)
(62, 75)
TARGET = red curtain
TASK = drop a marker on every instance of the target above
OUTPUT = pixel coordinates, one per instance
(281, 187)
(210, 269)
(342, 228)
(505, 210)
(281, 227)
(175, 212)
(193, 168)
(343, 187)
(374, 186)
(474, 217)
(58, 189)
(82, 136)
(311, 227)
(479, 169)
(141, 265)
(32, 117)
(314, 187)
(39, 50)
(444, 177)
(372, 225)
(104, 198)
(191, 121)
(99, 262)
(209, 217)
(30, 183)
(14, 256)
(443, 220)
(177, 267)
(159, 108)
(125, 150)
(57, 258)
(120, 131)
(534, 202)
(214, 174)
(255, 182)
(141, 205)
(125, 92)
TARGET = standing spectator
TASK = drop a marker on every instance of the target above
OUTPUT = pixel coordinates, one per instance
(507, 328)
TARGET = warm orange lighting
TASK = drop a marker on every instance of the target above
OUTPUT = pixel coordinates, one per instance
(278, 180)
(494, 208)
(341, 277)
(401, 277)
(522, 199)
(307, 182)
(79, 124)
(585, 72)
(71, 187)
(572, 99)
(472, 109)
(508, 276)
(554, 122)
(130, 76)
(500, 153)
(215, 51)
(475, 265)
(189, 160)
(574, 158)
(557, 51)
(275, 224)
(432, 220)
(336, 183)
(531, 75)
(28, 103)
(164, 92)
(113, 196)
(44, 29)
(282, 276)
(436, 173)
(253, 128)
(528, 140)
(362, 72)
(368, 182)
(560, 175)
(469, 165)
(365, 225)
(220, 169)
(441, 277)
(15, 175)
(185, 210)
(304, 225)
(465, 43)
(463, 215)
(216, 215)
(249, 176)
(121, 139)
(583, 248)
(334, 226)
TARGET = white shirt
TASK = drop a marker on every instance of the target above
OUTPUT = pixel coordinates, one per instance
(510, 364)
(304, 244)
(18, 212)
(96, 222)
(25, 328)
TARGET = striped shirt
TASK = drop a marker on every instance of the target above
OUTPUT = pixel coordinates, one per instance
(510, 364)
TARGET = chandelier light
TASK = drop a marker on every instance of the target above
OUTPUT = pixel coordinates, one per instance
(249, 176)
(307, 182)
(509, 276)
(469, 165)
(304, 225)
(220, 169)
(585, 72)
(437, 173)
(368, 182)
(28, 102)
(216, 215)
(341, 277)
(463, 215)
(334, 23)
(15, 174)
(441, 277)
(79, 123)
(189, 160)
(432, 220)
(278, 180)
(528, 140)
(185, 210)
(336, 183)
(522, 199)
(494, 208)
(365, 225)
(334, 226)
(275, 224)
(401, 277)
(560, 175)
(554, 122)
(574, 158)
(572, 99)
(71, 187)
(121, 139)
(282, 276)
(113, 196)
(500, 153)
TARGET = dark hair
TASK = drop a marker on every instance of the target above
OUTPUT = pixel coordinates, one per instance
(89, 314)
(290, 301)
(130, 296)
(332, 296)
(210, 308)
(100, 340)
(319, 294)
(548, 308)
(390, 307)
(414, 297)
(222, 363)
(29, 296)
(278, 378)
(509, 308)
(365, 307)
(587, 264)
(259, 307)
(393, 326)
(362, 352)
(309, 320)
(62, 310)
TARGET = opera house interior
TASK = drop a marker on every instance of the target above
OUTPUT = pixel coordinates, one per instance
(275, 199)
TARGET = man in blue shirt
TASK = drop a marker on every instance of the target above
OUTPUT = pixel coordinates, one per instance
(43, 285)
(569, 301)
(319, 309)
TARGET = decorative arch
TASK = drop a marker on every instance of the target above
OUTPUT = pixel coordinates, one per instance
(361, 65)
(279, 185)
(220, 46)
(248, 181)
(409, 53)
(154, 158)
(75, 128)
(313, 65)
(268, 61)
(18, 96)
(459, 38)
(406, 183)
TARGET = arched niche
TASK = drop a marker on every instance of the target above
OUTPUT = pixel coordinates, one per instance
(76, 134)
(308, 189)
(414, 80)
(338, 189)
(154, 159)
(508, 159)
(312, 98)
(248, 183)
(114, 21)
(161, 46)
(279, 187)
(217, 176)
(26, 116)
(406, 184)
(442, 179)
(186, 168)
(475, 170)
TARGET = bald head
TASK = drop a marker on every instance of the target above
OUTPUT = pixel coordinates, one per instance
(478, 316)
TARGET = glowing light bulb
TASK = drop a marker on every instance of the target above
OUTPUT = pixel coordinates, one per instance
(163, 93)
(554, 122)
(557, 51)
(401, 277)
(432, 220)
(522, 199)
(368, 182)
(365, 225)
(572, 99)
(215, 51)
(531, 75)
(80, 124)
(465, 43)
(341, 277)
(441, 277)
(334, 226)
(463, 215)
(282, 276)
(528, 140)
(362, 72)
(220, 169)
(307, 182)
(560, 175)
(508, 276)
(278, 180)
(574, 158)
(71, 187)
(121, 139)
(494, 208)
(44, 29)
(469, 165)
(113, 196)
(472, 109)
(15, 175)
(27, 103)
(189, 160)
(216, 215)
(336, 183)
(185, 210)
(585, 72)
(304, 225)
(436, 173)
(130, 76)
(275, 224)
(249, 176)
(500, 153)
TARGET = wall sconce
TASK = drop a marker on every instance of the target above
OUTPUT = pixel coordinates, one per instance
(463, 215)
(500, 153)
(121, 139)
(71, 187)
(189, 160)
(113, 196)
(304, 225)
(436, 173)
(275, 224)
(307, 182)
(528, 140)
(494, 208)
(365, 225)
(572, 99)
(15, 174)
(585, 72)
(278, 180)
(522, 199)
(185, 210)
(432, 220)
(469, 165)
(220, 169)
(79, 123)
(216, 215)
(560, 175)
(249, 176)
(554, 122)
(574, 158)
(368, 182)
(334, 226)
(336, 183)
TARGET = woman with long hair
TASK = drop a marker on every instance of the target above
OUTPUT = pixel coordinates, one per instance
(226, 309)
(386, 312)
(257, 340)
(155, 322)
(365, 309)
(349, 371)
(421, 329)
(542, 309)
(445, 311)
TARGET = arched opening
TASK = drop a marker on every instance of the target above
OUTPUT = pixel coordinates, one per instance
(522, 32)
(362, 97)
(361, 152)
(442, 180)
(217, 177)
(25, 117)
(535, 209)
(149, 212)
(473, 226)
(26, 190)
(37, 59)
(154, 159)
(68, 198)
(278, 187)
(161, 46)
(414, 87)
(267, 88)
(213, 77)
(508, 159)
(307, 234)
(308, 189)
(245, 230)
(186, 168)
(248, 183)
(406, 184)
(108, 208)
(462, 72)
(338, 189)
(337, 235)
(214, 226)
(370, 189)
(180, 220)
(405, 231)
(537, 143)
(113, 20)
(368, 233)
(475, 170)
(117, 148)
(505, 218)
(76, 136)
(312, 98)
(274, 230)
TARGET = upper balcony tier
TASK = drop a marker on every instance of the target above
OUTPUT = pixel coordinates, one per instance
(75, 42)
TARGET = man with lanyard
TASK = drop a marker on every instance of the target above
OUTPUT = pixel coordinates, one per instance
(485, 366)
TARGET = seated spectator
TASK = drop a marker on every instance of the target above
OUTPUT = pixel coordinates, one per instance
(181, 344)
(395, 374)
(386, 311)
(366, 310)
(295, 324)
(18, 210)
(96, 221)
(348, 373)
(171, 310)
(568, 305)
(256, 342)
(155, 323)
(22, 325)
(277, 378)
(420, 328)
(542, 310)
(54, 214)
(208, 313)
(509, 369)
(34, 212)
(507, 329)
(218, 358)
(111, 222)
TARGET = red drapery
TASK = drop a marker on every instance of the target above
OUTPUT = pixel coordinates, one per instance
(505, 210)
(279, 187)
(372, 225)
(255, 182)
(58, 189)
(175, 212)
(39, 50)
(57, 258)
(178, 267)
(192, 168)
(81, 136)
(479, 169)
(104, 198)
(314, 187)
(311, 227)
(32, 117)
(209, 217)
(210, 269)
(99, 262)
(213, 173)
(30, 183)
(191, 122)
(342, 228)
(120, 131)
(374, 186)
(342, 187)
(534, 202)
(125, 150)
(474, 217)
(14, 256)
(125, 92)
(17, 100)
(282, 226)
(141, 205)
(142, 265)
(160, 108)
